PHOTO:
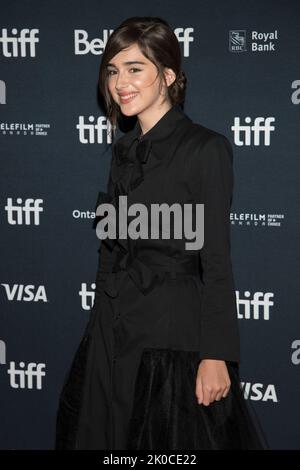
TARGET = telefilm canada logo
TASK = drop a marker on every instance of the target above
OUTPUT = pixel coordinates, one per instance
(256, 219)
(114, 222)
(24, 128)
(20, 128)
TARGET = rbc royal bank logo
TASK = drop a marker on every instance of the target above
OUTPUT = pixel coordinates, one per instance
(237, 41)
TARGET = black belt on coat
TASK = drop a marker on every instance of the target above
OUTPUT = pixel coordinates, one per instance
(146, 273)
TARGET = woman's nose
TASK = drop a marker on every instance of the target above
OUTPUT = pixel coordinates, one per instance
(121, 82)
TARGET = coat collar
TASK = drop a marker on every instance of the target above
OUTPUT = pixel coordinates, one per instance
(130, 150)
(158, 133)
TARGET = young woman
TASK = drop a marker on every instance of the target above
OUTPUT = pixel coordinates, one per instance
(157, 367)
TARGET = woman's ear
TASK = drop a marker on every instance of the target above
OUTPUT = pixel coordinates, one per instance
(170, 76)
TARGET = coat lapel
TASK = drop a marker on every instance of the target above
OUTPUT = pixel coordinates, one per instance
(130, 154)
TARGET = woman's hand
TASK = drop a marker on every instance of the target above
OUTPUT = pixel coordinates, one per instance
(212, 381)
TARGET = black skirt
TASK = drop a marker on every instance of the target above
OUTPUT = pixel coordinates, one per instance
(166, 414)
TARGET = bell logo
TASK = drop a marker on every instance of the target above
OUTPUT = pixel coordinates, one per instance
(84, 45)
(26, 377)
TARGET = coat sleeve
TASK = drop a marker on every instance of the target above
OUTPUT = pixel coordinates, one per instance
(210, 178)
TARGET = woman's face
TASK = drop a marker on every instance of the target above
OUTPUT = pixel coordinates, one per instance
(135, 86)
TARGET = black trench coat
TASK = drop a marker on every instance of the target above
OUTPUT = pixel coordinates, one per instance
(159, 309)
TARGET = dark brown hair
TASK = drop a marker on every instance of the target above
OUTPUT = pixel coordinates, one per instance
(158, 43)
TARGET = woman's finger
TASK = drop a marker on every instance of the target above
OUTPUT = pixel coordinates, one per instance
(199, 391)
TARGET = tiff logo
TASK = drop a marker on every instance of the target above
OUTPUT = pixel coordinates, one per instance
(19, 44)
(92, 132)
(87, 297)
(27, 213)
(251, 134)
(29, 376)
(256, 308)
(184, 35)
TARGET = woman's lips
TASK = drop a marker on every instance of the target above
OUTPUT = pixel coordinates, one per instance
(127, 98)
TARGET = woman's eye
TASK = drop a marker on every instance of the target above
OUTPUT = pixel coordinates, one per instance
(112, 72)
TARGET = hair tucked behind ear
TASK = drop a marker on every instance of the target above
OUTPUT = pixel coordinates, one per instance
(178, 88)
(158, 43)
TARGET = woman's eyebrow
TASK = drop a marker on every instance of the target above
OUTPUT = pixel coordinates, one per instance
(130, 62)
